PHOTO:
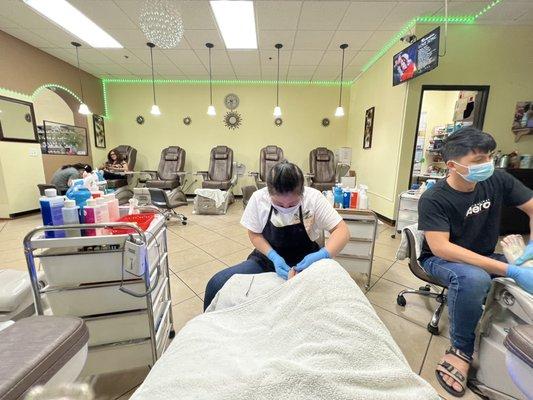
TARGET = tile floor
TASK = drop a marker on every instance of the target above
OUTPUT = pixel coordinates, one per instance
(210, 243)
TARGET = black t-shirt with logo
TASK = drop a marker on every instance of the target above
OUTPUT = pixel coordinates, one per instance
(471, 218)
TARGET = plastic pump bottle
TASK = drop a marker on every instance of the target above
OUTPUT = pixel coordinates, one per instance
(70, 217)
(362, 201)
(51, 205)
(104, 209)
(112, 206)
(89, 212)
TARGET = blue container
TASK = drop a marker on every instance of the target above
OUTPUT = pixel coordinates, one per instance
(337, 196)
(346, 199)
(51, 205)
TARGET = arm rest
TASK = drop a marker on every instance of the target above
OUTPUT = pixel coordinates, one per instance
(151, 175)
(203, 173)
(309, 178)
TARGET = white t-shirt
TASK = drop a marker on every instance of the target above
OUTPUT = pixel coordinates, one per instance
(318, 214)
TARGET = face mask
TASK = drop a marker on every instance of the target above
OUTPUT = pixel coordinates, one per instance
(288, 210)
(478, 172)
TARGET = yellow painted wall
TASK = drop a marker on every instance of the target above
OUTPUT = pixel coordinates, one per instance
(499, 56)
(377, 167)
(303, 108)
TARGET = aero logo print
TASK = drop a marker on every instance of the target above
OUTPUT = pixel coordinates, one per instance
(478, 207)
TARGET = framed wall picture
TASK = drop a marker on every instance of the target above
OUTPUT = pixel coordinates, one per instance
(17, 121)
(65, 139)
(369, 128)
(99, 131)
(523, 119)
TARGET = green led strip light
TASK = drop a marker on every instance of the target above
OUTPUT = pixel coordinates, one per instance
(224, 82)
(27, 97)
(468, 19)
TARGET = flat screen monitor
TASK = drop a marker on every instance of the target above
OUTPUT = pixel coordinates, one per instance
(417, 59)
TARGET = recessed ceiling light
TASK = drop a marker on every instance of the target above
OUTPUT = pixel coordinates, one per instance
(236, 22)
(62, 13)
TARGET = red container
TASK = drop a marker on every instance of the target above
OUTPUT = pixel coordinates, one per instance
(143, 221)
(353, 199)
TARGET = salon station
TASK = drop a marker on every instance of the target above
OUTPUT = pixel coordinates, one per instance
(268, 199)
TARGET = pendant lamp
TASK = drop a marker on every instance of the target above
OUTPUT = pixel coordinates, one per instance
(83, 109)
(211, 108)
(155, 108)
(339, 112)
(277, 109)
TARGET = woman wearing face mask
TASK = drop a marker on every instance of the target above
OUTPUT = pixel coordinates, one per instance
(284, 220)
(460, 217)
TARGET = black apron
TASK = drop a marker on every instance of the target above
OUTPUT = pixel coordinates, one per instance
(290, 242)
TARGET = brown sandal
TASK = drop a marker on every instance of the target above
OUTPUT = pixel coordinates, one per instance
(448, 369)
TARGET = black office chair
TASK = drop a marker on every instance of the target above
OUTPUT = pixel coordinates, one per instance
(167, 202)
(413, 253)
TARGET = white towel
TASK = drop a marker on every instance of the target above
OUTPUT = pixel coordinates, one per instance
(403, 251)
(315, 336)
(217, 195)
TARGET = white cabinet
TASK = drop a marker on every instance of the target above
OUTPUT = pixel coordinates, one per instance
(407, 213)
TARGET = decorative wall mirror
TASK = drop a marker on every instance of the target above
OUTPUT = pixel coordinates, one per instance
(17, 121)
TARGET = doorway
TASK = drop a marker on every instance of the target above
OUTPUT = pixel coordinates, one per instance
(443, 110)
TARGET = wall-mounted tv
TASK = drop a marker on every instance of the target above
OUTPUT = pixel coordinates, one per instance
(417, 59)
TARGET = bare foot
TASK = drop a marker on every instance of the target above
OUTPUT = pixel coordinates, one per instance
(292, 273)
(461, 365)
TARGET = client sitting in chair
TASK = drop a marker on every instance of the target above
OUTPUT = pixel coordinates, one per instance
(63, 177)
(460, 217)
(115, 165)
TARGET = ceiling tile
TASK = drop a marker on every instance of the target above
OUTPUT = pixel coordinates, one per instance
(218, 57)
(131, 8)
(144, 55)
(28, 36)
(306, 57)
(462, 8)
(222, 69)
(378, 39)
(248, 69)
(277, 15)
(105, 13)
(354, 39)
(507, 11)
(63, 54)
(93, 56)
(366, 15)
(267, 39)
(361, 58)
(326, 73)
(350, 73)
(322, 14)
(194, 70)
(244, 57)
(7, 23)
(198, 38)
(111, 68)
(270, 72)
(407, 10)
(301, 72)
(169, 69)
(121, 56)
(270, 57)
(23, 15)
(58, 37)
(139, 68)
(135, 39)
(334, 57)
(197, 15)
(312, 40)
(183, 57)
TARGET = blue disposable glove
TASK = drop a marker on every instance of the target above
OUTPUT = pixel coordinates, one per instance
(528, 254)
(282, 269)
(523, 276)
(311, 258)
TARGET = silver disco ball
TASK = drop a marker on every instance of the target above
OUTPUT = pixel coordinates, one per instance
(161, 23)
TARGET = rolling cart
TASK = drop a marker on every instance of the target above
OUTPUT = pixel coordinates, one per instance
(119, 284)
(358, 254)
(407, 211)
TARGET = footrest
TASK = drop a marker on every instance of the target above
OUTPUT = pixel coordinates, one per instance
(34, 349)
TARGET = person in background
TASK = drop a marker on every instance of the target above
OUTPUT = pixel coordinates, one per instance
(460, 217)
(63, 177)
(284, 220)
(115, 165)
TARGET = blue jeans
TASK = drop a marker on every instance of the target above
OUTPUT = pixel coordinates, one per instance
(468, 286)
(220, 278)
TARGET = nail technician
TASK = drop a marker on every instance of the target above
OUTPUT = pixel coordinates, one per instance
(284, 220)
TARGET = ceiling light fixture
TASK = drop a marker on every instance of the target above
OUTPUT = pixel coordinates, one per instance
(62, 13)
(83, 107)
(161, 23)
(277, 109)
(339, 112)
(236, 22)
(211, 108)
(155, 108)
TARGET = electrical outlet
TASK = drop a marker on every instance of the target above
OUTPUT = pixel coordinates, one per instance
(33, 152)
